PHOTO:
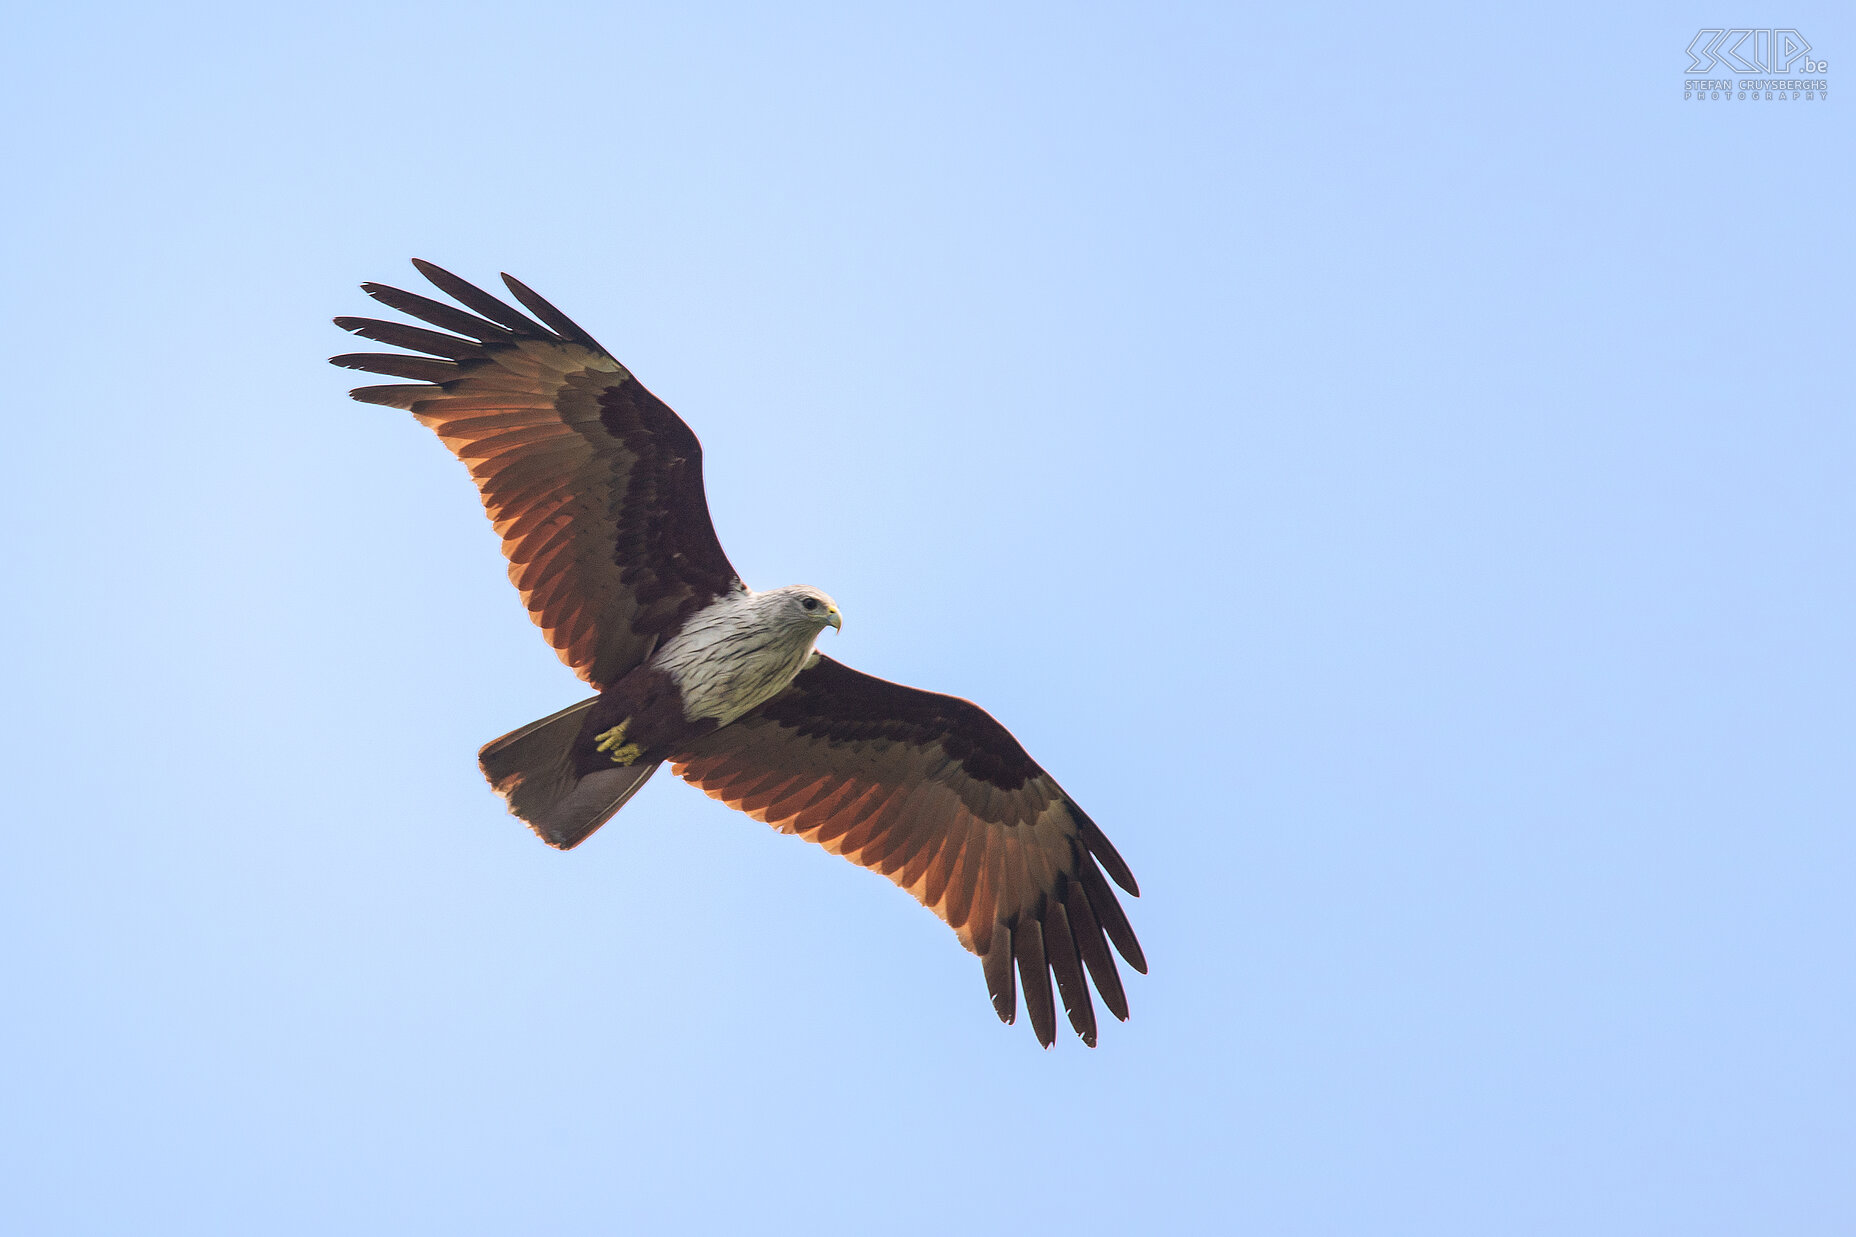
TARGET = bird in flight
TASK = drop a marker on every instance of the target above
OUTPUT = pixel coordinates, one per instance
(595, 487)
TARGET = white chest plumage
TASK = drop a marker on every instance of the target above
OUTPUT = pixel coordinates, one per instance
(734, 656)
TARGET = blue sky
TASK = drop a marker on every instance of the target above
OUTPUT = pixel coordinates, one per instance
(1395, 470)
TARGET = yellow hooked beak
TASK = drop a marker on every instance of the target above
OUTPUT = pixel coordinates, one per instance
(833, 618)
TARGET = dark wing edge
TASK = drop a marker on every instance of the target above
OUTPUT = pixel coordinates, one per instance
(593, 483)
(932, 792)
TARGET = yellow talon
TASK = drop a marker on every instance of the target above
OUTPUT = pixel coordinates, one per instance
(613, 742)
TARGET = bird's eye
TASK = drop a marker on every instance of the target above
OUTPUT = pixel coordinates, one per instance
(810, 603)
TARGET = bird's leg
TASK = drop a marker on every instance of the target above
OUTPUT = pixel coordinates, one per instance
(613, 743)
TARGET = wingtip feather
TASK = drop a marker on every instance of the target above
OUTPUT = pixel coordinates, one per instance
(396, 395)
(1104, 850)
(1000, 982)
(1034, 978)
(544, 309)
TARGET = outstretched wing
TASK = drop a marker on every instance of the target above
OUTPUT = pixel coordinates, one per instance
(594, 484)
(933, 793)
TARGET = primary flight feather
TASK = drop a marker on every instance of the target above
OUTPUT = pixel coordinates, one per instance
(595, 487)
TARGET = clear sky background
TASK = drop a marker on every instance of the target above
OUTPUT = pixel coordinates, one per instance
(1394, 468)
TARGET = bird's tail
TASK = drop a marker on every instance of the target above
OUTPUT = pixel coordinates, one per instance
(532, 769)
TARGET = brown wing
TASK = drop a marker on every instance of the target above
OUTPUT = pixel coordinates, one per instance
(933, 793)
(594, 484)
